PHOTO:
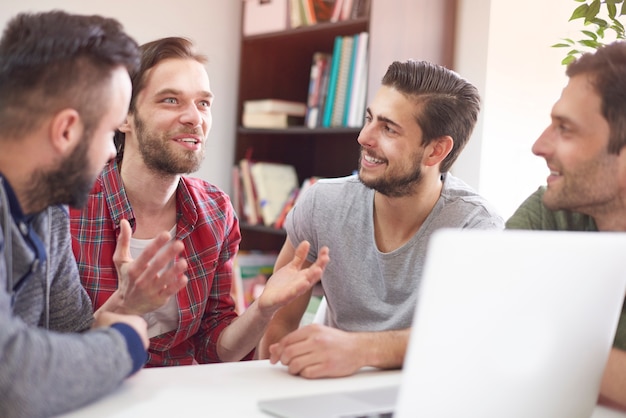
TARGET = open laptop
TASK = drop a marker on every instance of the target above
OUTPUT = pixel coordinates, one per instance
(508, 324)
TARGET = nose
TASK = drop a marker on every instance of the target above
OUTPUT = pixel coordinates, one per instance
(543, 145)
(366, 137)
(191, 115)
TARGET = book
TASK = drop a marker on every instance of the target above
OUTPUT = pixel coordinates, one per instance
(250, 203)
(237, 197)
(346, 9)
(274, 182)
(275, 105)
(270, 120)
(293, 199)
(280, 220)
(336, 15)
(308, 12)
(296, 18)
(341, 87)
(360, 8)
(323, 9)
(332, 82)
(319, 66)
(350, 84)
(252, 269)
(359, 83)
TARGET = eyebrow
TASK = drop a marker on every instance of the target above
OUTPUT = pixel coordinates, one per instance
(384, 119)
(205, 94)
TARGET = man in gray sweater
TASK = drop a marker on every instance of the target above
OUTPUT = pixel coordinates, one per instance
(65, 88)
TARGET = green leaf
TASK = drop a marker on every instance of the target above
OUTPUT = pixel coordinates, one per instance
(597, 21)
(560, 46)
(589, 43)
(590, 34)
(580, 12)
(567, 60)
(612, 10)
(594, 9)
(623, 12)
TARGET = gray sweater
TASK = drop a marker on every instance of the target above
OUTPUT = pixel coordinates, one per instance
(50, 360)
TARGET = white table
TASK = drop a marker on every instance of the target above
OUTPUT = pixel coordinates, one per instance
(228, 390)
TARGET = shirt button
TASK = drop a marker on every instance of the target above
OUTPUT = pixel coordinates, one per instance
(23, 228)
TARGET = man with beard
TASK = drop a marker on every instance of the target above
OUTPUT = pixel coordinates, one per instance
(144, 189)
(65, 89)
(586, 189)
(377, 225)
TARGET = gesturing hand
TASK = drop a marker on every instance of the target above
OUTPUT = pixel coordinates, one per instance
(292, 280)
(149, 281)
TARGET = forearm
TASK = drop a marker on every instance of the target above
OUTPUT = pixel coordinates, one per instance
(115, 304)
(243, 334)
(613, 388)
(384, 349)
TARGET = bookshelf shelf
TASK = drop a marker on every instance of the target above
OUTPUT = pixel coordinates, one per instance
(278, 65)
(299, 131)
(324, 27)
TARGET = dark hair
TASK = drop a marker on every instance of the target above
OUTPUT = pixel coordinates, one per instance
(53, 60)
(151, 54)
(606, 68)
(448, 104)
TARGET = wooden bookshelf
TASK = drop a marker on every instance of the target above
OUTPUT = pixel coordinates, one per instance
(278, 64)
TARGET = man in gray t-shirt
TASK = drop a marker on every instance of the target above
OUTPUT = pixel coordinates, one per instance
(377, 225)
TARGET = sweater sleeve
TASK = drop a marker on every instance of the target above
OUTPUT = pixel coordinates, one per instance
(47, 372)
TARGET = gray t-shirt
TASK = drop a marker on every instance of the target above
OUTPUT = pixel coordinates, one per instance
(368, 290)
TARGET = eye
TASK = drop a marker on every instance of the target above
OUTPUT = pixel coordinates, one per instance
(205, 103)
(170, 100)
(368, 118)
(387, 128)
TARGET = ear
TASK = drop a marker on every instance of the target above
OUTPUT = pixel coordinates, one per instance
(438, 150)
(125, 127)
(66, 129)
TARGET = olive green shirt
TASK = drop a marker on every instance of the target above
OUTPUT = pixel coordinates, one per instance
(533, 214)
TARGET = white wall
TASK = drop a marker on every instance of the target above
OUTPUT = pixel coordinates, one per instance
(214, 25)
(510, 59)
(503, 49)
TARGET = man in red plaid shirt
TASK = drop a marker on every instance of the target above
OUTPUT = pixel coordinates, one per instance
(143, 192)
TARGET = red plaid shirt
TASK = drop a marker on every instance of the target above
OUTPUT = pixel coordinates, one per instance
(210, 231)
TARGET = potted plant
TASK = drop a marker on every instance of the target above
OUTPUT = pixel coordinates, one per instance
(600, 17)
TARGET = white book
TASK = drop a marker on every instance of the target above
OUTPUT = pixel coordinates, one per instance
(274, 183)
(276, 106)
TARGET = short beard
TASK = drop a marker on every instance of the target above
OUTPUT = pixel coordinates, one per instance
(395, 186)
(68, 184)
(159, 158)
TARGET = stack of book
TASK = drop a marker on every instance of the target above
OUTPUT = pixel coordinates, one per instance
(272, 113)
(264, 192)
(338, 84)
(311, 12)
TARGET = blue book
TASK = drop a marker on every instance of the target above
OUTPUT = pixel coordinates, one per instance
(332, 83)
(350, 85)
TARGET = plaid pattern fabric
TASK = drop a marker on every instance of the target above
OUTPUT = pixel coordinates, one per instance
(210, 231)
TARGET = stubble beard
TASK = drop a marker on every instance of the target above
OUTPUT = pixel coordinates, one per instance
(391, 185)
(68, 184)
(160, 158)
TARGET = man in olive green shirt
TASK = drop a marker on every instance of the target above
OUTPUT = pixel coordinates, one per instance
(586, 188)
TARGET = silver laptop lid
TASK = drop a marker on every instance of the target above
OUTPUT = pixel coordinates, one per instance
(513, 324)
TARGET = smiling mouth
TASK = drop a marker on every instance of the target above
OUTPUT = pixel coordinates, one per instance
(371, 159)
(188, 140)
